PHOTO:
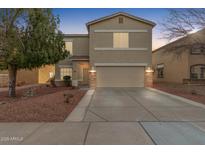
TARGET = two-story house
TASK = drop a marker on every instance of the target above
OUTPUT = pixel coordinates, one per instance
(116, 52)
(182, 61)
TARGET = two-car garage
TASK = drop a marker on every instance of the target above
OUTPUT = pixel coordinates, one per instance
(120, 76)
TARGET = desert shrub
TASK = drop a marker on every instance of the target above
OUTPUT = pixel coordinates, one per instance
(193, 92)
(52, 81)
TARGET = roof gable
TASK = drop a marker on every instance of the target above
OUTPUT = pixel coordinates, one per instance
(118, 14)
(200, 32)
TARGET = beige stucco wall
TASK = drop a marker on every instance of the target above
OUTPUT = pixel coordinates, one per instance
(85, 45)
(175, 68)
(43, 73)
(80, 48)
(196, 59)
(80, 45)
(77, 68)
(105, 40)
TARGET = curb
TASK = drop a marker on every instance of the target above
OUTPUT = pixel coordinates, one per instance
(177, 97)
(80, 110)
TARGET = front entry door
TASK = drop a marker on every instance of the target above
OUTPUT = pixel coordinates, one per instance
(85, 75)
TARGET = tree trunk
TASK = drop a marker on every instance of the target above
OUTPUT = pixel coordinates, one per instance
(12, 80)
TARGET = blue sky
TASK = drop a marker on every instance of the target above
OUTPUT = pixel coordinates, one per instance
(73, 20)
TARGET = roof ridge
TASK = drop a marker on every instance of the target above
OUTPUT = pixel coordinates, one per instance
(120, 13)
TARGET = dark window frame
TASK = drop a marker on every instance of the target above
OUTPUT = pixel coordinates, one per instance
(202, 76)
(202, 68)
(160, 72)
(200, 47)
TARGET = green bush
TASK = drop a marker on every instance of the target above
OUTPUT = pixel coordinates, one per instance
(67, 80)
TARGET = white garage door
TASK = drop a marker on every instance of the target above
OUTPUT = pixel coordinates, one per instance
(120, 76)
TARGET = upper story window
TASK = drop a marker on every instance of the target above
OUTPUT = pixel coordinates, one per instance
(69, 47)
(120, 40)
(198, 49)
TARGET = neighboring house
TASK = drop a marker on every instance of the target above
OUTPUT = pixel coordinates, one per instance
(186, 67)
(115, 53)
(35, 76)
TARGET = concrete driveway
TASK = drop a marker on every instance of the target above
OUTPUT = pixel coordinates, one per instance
(139, 104)
(119, 116)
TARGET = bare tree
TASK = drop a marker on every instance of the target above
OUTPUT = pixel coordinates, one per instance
(181, 24)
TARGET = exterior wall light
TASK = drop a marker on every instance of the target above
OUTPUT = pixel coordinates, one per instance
(149, 70)
(92, 70)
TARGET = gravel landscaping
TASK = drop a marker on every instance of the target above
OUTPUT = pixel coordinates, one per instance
(192, 92)
(46, 105)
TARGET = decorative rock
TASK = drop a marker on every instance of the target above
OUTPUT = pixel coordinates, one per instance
(1, 103)
(68, 98)
(30, 92)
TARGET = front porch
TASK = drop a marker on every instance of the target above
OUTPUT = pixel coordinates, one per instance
(80, 73)
(77, 67)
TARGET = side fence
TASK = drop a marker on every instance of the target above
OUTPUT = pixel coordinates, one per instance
(3, 80)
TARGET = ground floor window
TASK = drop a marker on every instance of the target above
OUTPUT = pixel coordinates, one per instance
(160, 70)
(197, 71)
(65, 71)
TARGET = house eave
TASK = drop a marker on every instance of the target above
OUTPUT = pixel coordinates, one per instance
(79, 58)
(75, 35)
(117, 14)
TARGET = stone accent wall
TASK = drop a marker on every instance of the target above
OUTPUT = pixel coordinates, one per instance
(148, 79)
(92, 80)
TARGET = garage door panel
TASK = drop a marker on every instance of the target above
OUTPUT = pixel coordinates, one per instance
(120, 76)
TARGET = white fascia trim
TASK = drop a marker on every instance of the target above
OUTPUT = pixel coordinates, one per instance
(68, 40)
(120, 64)
(117, 49)
(121, 30)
